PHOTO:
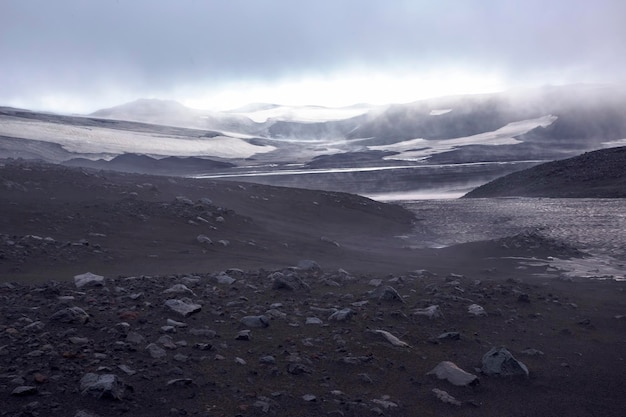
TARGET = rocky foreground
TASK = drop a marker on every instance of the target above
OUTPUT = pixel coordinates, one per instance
(303, 341)
(152, 296)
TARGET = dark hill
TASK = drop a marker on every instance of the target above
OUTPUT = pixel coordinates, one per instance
(597, 174)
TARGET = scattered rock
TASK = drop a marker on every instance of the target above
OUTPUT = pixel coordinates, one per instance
(476, 310)
(452, 373)
(391, 338)
(177, 289)
(88, 278)
(70, 315)
(23, 390)
(386, 293)
(255, 321)
(102, 386)
(499, 361)
(445, 397)
(182, 307)
(432, 312)
(342, 315)
(289, 282)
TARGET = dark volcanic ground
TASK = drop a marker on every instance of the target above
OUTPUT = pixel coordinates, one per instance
(233, 253)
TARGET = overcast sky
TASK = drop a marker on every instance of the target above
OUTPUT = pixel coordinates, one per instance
(81, 55)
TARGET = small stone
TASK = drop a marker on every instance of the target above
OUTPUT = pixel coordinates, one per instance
(24, 390)
(155, 351)
(476, 310)
(204, 239)
(70, 315)
(244, 335)
(445, 397)
(255, 321)
(342, 315)
(432, 312)
(179, 288)
(309, 398)
(267, 360)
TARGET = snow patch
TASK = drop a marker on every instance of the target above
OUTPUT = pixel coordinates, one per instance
(419, 149)
(83, 139)
(439, 112)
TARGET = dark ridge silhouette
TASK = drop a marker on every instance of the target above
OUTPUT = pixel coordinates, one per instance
(144, 164)
(597, 174)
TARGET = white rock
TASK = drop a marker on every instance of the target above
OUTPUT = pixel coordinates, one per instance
(432, 312)
(178, 288)
(445, 397)
(182, 307)
(453, 374)
(476, 310)
(391, 338)
(88, 279)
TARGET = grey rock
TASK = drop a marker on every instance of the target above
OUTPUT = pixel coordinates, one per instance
(70, 315)
(452, 373)
(155, 351)
(208, 333)
(88, 278)
(136, 338)
(35, 326)
(432, 312)
(313, 320)
(386, 293)
(342, 315)
(203, 239)
(309, 397)
(182, 307)
(267, 360)
(290, 282)
(225, 279)
(24, 390)
(126, 369)
(83, 413)
(244, 335)
(308, 265)
(296, 368)
(179, 289)
(184, 200)
(102, 386)
(499, 361)
(167, 342)
(476, 310)
(532, 352)
(255, 321)
(449, 336)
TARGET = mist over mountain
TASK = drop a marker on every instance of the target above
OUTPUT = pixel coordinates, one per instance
(420, 145)
(173, 113)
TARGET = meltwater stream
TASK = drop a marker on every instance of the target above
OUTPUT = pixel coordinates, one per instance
(596, 226)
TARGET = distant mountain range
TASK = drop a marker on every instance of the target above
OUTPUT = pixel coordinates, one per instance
(506, 132)
(598, 174)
